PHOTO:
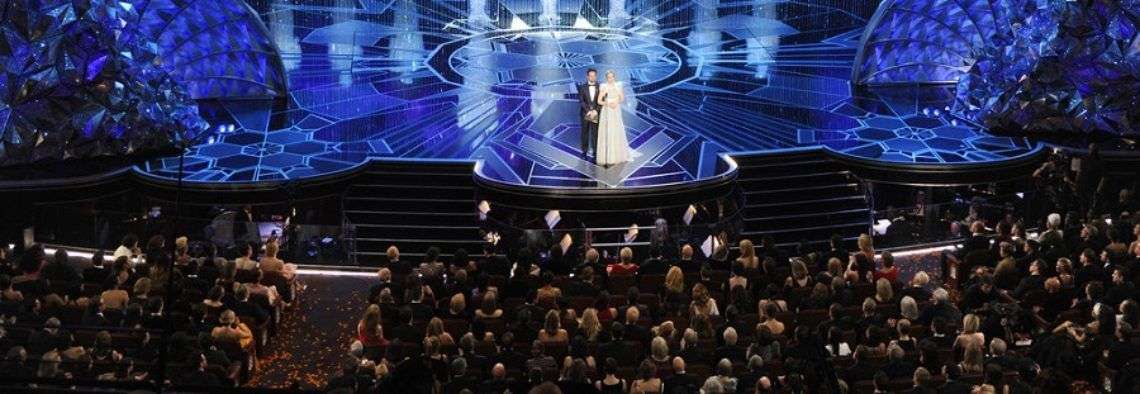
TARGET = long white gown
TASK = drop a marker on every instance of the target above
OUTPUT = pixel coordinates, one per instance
(613, 146)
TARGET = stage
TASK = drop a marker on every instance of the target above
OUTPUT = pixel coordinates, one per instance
(493, 84)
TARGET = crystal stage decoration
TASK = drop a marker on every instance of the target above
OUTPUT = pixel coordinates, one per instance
(1071, 66)
(1020, 66)
(108, 78)
(931, 41)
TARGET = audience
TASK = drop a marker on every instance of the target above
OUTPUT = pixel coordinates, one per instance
(1008, 311)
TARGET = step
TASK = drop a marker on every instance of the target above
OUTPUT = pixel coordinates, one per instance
(391, 167)
(811, 233)
(760, 182)
(760, 159)
(410, 217)
(803, 206)
(415, 178)
(761, 195)
(411, 191)
(789, 168)
(409, 204)
(400, 231)
(806, 219)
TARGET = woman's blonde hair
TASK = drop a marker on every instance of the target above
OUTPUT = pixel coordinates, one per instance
(799, 269)
(371, 319)
(675, 279)
(903, 327)
(458, 302)
(865, 244)
(435, 327)
(747, 249)
(271, 248)
(883, 290)
(490, 302)
(142, 287)
(659, 349)
(970, 323)
(553, 322)
(748, 254)
(908, 308)
(590, 324)
(700, 293)
(921, 278)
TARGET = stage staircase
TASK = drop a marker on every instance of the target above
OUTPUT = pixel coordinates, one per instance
(801, 196)
(413, 206)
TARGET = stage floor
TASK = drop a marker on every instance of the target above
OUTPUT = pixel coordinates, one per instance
(433, 81)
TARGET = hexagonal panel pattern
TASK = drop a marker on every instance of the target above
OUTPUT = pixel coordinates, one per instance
(706, 77)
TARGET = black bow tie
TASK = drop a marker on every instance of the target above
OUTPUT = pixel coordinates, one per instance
(592, 84)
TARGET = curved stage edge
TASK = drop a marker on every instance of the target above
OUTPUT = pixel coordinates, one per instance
(941, 174)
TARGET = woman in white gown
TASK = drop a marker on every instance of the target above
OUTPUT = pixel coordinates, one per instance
(613, 147)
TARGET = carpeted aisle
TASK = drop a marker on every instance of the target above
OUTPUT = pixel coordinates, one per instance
(314, 335)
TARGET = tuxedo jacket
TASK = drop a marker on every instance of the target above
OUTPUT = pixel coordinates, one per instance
(586, 101)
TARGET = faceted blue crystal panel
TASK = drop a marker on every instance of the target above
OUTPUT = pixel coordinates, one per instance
(933, 41)
(216, 48)
(80, 81)
(1073, 67)
(108, 78)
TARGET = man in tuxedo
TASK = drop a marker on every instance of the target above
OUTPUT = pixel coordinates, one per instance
(589, 111)
(680, 381)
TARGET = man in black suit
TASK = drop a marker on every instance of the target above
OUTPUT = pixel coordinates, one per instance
(633, 330)
(954, 384)
(1034, 282)
(655, 264)
(589, 111)
(405, 331)
(244, 307)
(492, 263)
(681, 382)
(507, 355)
(385, 282)
(729, 349)
(499, 382)
(861, 369)
(691, 348)
(687, 262)
(632, 296)
(583, 285)
(393, 263)
(460, 378)
(835, 251)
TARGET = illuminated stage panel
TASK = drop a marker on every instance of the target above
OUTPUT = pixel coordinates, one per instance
(494, 81)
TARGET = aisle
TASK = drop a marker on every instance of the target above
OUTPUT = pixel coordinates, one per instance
(314, 336)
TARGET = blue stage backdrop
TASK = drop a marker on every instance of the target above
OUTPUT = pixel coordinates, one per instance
(494, 80)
